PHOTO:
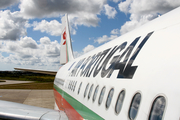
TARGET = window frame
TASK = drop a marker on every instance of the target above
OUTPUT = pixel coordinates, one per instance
(101, 96)
(90, 91)
(74, 86)
(86, 90)
(153, 103)
(132, 101)
(80, 85)
(95, 93)
(108, 97)
(117, 112)
(71, 86)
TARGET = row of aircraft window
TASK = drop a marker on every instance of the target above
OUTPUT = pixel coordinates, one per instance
(157, 108)
(72, 85)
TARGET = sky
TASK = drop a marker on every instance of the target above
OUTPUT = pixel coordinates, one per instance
(30, 30)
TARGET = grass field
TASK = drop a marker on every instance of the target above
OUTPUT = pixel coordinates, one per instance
(35, 85)
(41, 81)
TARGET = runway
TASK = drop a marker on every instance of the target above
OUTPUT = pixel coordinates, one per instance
(39, 98)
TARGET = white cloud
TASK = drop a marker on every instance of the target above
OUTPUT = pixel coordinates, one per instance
(27, 52)
(116, 1)
(115, 31)
(88, 48)
(52, 50)
(125, 6)
(83, 18)
(11, 25)
(153, 6)
(7, 3)
(110, 11)
(11, 47)
(0, 44)
(44, 8)
(45, 40)
(85, 50)
(53, 27)
(1, 57)
(79, 15)
(105, 38)
(28, 42)
(113, 34)
(77, 54)
(142, 11)
(81, 12)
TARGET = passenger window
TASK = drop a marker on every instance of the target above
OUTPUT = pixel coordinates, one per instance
(134, 106)
(119, 102)
(101, 95)
(74, 86)
(90, 91)
(71, 86)
(79, 87)
(109, 98)
(95, 93)
(157, 109)
(85, 92)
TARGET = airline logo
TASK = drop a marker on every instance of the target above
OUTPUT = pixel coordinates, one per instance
(105, 62)
(64, 37)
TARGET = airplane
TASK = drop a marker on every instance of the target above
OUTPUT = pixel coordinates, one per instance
(134, 77)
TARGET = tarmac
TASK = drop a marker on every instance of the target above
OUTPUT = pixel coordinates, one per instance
(39, 98)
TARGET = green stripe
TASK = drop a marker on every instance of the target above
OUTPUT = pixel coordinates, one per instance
(85, 112)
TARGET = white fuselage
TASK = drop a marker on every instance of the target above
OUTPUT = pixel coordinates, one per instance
(156, 74)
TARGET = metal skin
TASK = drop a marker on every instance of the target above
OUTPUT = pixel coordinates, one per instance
(145, 61)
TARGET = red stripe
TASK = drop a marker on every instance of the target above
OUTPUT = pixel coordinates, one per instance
(65, 106)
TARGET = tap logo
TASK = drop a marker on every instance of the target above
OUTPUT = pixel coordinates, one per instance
(64, 37)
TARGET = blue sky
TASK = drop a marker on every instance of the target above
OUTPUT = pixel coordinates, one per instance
(30, 29)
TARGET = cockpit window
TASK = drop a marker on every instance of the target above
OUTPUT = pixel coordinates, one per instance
(109, 98)
(90, 91)
(101, 95)
(134, 106)
(79, 87)
(157, 109)
(85, 92)
(119, 102)
(95, 93)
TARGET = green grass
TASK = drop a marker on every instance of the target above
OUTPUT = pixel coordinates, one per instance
(35, 85)
(41, 81)
(26, 76)
(30, 78)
